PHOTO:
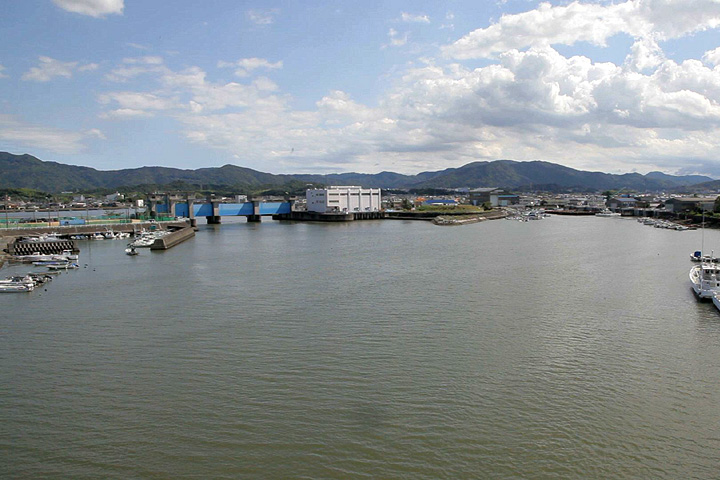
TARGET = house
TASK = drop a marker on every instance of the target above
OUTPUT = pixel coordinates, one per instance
(618, 203)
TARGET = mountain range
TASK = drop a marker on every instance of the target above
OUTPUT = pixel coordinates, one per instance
(27, 171)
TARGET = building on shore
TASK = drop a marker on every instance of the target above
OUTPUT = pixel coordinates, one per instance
(690, 204)
(496, 197)
(343, 199)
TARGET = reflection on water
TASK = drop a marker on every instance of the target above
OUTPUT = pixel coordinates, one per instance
(569, 347)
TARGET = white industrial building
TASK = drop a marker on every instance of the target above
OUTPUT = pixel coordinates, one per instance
(343, 199)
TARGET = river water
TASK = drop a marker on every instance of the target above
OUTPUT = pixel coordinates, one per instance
(563, 348)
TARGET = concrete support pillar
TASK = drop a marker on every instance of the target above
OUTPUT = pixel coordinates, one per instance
(255, 217)
(191, 209)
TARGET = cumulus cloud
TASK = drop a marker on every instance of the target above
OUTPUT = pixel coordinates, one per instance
(712, 57)
(245, 66)
(409, 17)
(584, 22)
(525, 103)
(93, 8)
(25, 135)
(49, 68)
(2, 69)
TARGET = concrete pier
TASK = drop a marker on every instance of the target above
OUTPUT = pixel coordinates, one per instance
(172, 239)
(305, 216)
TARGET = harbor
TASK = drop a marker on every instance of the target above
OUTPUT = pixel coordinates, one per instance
(600, 341)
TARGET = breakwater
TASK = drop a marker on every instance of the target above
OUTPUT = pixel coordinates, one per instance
(172, 239)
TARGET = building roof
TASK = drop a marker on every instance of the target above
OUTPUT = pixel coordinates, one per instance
(484, 190)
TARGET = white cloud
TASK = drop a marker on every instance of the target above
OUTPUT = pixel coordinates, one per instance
(93, 8)
(644, 54)
(136, 66)
(138, 101)
(146, 60)
(125, 113)
(592, 23)
(2, 69)
(50, 68)
(137, 46)
(245, 66)
(88, 67)
(409, 17)
(525, 105)
(262, 17)
(397, 40)
(712, 57)
(24, 135)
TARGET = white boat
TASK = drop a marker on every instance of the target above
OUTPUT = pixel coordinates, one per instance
(16, 287)
(65, 266)
(69, 255)
(130, 250)
(607, 213)
(705, 280)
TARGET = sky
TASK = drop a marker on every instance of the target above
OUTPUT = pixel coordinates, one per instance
(345, 86)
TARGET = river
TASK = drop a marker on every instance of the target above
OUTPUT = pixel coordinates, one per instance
(560, 348)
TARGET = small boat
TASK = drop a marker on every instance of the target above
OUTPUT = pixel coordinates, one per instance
(607, 213)
(45, 263)
(16, 287)
(69, 255)
(697, 256)
(705, 280)
(130, 250)
(65, 266)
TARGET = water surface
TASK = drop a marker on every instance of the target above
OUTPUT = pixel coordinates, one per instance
(564, 348)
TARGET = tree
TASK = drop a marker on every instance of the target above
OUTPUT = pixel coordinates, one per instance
(716, 205)
(406, 204)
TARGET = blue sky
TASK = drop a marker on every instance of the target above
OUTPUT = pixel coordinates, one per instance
(337, 86)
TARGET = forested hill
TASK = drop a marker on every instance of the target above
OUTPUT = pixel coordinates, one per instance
(26, 171)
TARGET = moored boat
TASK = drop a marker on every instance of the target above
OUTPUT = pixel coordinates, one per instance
(65, 266)
(705, 280)
(607, 213)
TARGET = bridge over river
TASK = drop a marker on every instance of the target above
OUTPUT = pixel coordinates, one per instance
(212, 210)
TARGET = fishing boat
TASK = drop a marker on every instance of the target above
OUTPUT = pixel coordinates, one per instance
(705, 280)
